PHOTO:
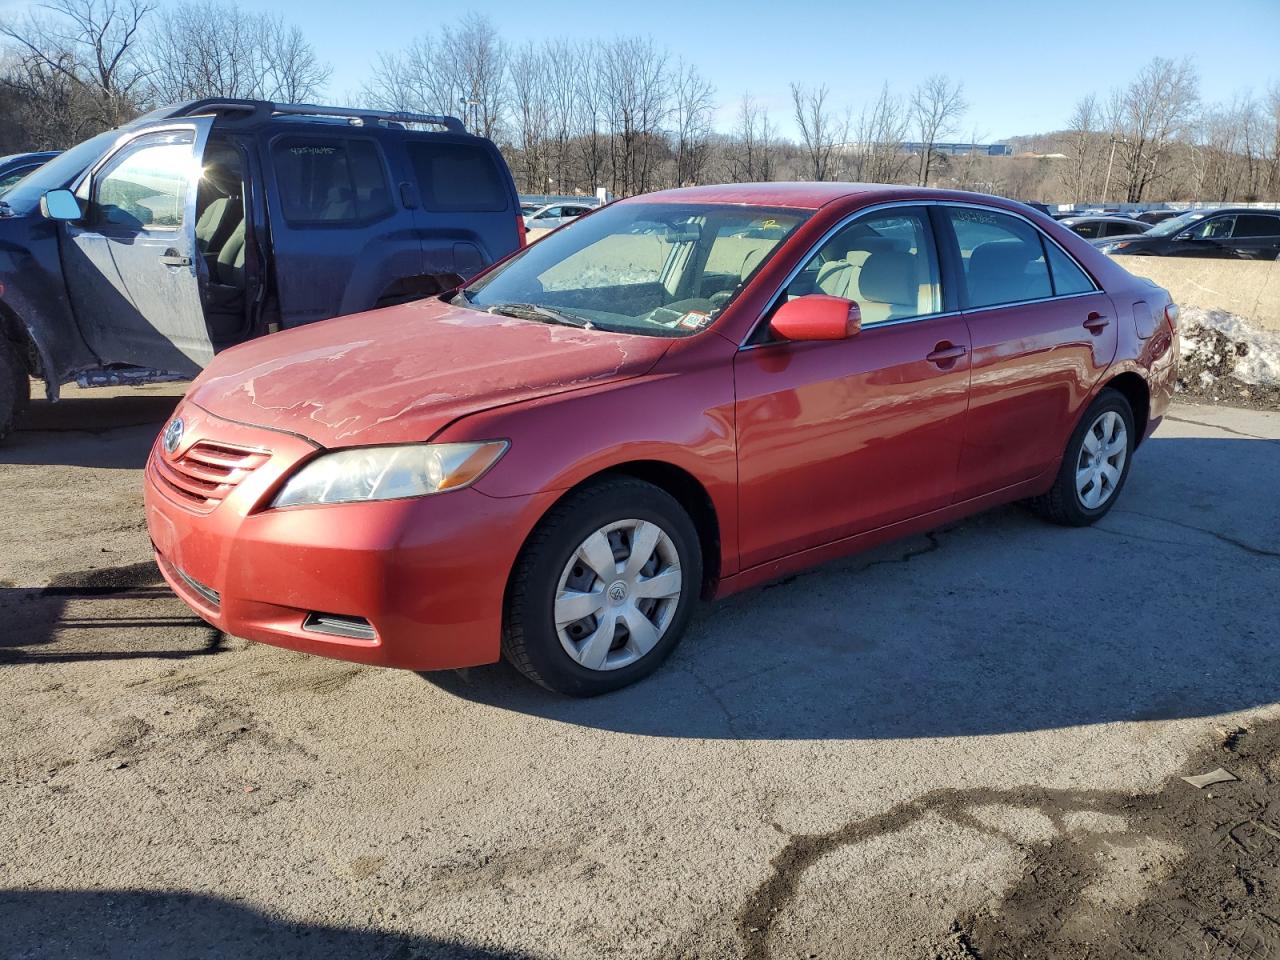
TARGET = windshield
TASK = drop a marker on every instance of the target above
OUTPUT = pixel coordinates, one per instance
(656, 269)
(24, 196)
(1177, 224)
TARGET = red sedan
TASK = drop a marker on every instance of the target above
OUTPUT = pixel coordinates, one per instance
(678, 396)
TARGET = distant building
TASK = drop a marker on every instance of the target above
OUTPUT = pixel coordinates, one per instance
(963, 149)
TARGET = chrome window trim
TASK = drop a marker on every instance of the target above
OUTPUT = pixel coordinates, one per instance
(889, 204)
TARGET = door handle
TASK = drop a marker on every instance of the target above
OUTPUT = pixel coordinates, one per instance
(946, 353)
(1095, 322)
(171, 258)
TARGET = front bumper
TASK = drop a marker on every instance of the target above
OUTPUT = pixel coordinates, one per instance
(427, 574)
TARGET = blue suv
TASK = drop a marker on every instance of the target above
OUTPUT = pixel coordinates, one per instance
(138, 254)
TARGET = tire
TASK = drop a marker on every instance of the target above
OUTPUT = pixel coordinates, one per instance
(15, 387)
(553, 577)
(1065, 503)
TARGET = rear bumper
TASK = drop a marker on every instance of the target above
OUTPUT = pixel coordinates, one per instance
(427, 574)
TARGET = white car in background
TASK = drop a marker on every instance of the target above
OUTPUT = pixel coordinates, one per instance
(556, 215)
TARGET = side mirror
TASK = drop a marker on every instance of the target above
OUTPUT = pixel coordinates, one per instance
(60, 205)
(817, 317)
(1185, 235)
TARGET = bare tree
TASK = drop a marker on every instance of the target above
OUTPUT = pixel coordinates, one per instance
(635, 95)
(1148, 115)
(588, 116)
(462, 70)
(1086, 147)
(693, 105)
(89, 47)
(749, 153)
(820, 131)
(876, 152)
(936, 106)
(294, 73)
(562, 65)
(531, 112)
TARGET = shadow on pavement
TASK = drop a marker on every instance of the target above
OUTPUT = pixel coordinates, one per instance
(88, 430)
(140, 925)
(1168, 608)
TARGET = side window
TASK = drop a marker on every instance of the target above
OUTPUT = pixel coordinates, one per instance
(1215, 228)
(13, 176)
(1256, 225)
(145, 188)
(330, 180)
(884, 260)
(551, 213)
(457, 177)
(1067, 277)
(1089, 229)
(1003, 257)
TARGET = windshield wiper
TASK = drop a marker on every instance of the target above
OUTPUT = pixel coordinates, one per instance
(532, 311)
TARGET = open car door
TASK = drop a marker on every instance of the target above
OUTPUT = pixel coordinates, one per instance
(131, 262)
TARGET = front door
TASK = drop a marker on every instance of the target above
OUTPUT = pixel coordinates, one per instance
(1043, 333)
(837, 438)
(131, 263)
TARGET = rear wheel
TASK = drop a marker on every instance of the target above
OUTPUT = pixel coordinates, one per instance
(1095, 465)
(15, 386)
(603, 590)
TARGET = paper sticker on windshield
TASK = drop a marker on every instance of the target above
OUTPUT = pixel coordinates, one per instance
(694, 320)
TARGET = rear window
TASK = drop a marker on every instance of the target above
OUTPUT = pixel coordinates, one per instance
(330, 180)
(1255, 225)
(457, 177)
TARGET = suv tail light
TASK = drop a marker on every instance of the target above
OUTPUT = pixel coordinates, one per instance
(1171, 313)
(520, 229)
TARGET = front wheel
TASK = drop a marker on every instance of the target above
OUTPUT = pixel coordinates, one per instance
(1094, 466)
(603, 590)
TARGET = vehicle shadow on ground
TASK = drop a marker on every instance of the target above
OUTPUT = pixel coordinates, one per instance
(1168, 608)
(134, 924)
(110, 613)
(89, 431)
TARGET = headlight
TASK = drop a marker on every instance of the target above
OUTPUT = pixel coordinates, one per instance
(389, 473)
(1112, 247)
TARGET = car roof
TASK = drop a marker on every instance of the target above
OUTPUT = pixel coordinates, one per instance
(1107, 217)
(811, 195)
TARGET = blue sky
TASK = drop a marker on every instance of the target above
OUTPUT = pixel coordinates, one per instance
(1024, 64)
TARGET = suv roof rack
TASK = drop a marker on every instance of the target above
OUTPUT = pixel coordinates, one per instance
(265, 109)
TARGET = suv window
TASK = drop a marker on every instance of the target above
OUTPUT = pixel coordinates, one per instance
(330, 180)
(145, 187)
(1215, 228)
(1067, 277)
(457, 176)
(1003, 257)
(1256, 225)
(884, 260)
(13, 176)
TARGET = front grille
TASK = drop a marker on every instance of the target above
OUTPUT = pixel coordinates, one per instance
(203, 476)
(210, 594)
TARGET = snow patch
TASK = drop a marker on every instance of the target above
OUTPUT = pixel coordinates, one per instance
(1217, 343)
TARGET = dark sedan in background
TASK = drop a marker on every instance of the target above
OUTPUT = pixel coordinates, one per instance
(1229, 234)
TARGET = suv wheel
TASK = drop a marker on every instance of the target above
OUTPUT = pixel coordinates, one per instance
(603, 590)
(1095, 465)
(15, 386)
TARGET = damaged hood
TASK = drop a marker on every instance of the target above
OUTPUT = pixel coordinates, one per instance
(403, 373)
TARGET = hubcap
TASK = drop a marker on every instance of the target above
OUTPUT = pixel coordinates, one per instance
(618, 594)
(1101, 462)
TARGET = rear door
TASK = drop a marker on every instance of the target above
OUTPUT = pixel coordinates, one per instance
(468, 214)
(341, 237)
(1256, 236)
(130, 263)
(1043, 333)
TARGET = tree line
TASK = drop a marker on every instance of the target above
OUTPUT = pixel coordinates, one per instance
(624, 113)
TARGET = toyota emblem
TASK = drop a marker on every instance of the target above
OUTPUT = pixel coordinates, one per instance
(173, 435)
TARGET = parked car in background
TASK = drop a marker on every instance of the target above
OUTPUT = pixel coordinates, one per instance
(139, 254)
(684, 395)
(1092, 228)
(1156, 216)
(1229, 233)
(557, 214)
(17, 165)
